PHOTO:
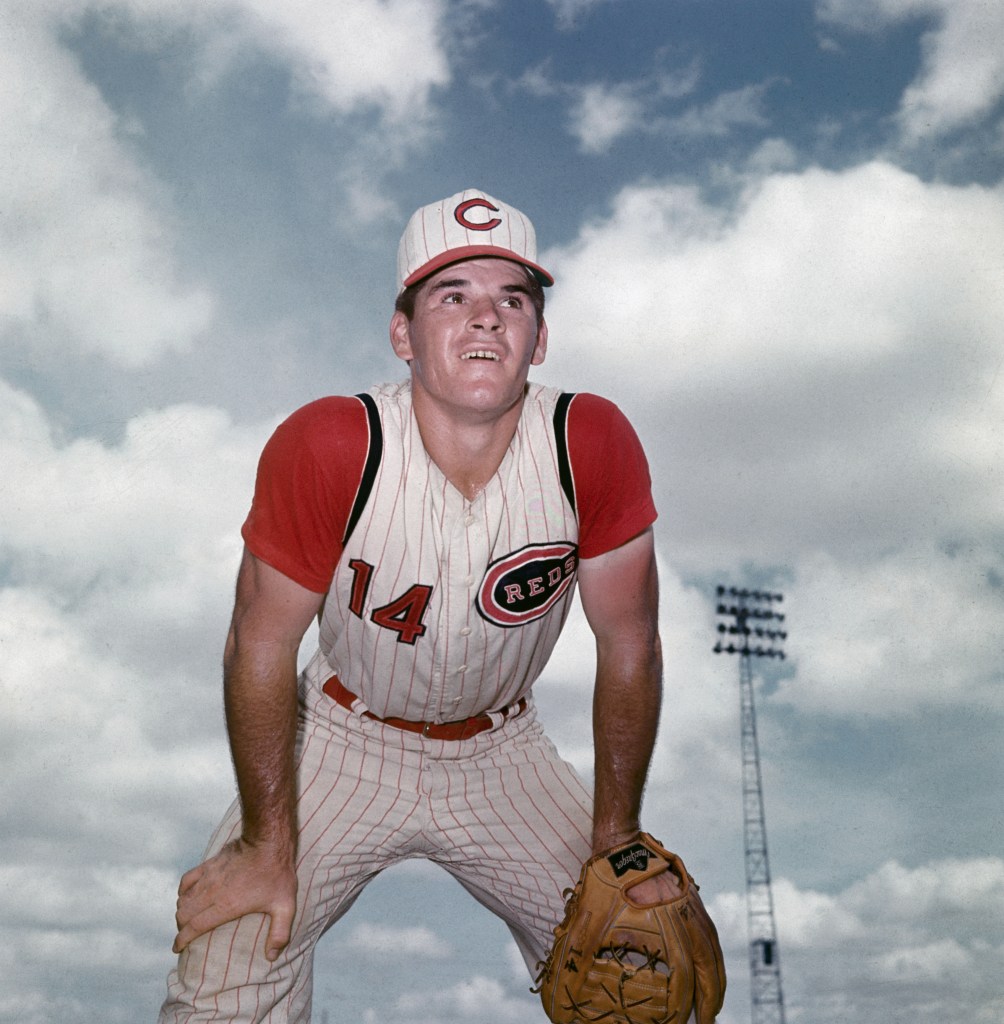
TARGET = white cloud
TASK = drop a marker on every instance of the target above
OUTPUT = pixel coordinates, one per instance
(828, 267)
(93, 895)
(119, 575)
(822, 355)
(332, 49)
(739, 108)
(937, 961)
(118, 755)
(137, 512)
(568, 12)
(916, 629)
(806, 919)
(485, 999)
(939, 891)
(329, 47)
(90, 243)
(932, 932)
(821, 391)
(813, 920)
(384, 940)
(961, 78)
(602, 114)
(86, 236)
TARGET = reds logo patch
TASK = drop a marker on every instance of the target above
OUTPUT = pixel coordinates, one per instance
(460, 213)
(523, 586)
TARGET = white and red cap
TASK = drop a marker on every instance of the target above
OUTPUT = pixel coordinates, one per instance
(463, 227)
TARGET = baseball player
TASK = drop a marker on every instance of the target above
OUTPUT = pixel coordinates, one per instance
(438, 528)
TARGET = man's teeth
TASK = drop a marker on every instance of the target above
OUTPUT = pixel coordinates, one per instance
(480, 355)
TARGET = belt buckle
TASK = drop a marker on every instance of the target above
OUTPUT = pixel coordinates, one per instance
(426, 726)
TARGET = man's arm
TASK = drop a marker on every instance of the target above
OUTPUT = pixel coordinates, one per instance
(620, 596)
(257, 872)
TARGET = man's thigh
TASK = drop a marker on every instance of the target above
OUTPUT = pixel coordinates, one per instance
(356, 816)
(514, 827)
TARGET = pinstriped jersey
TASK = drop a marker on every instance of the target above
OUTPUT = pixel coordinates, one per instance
(439, 607)
(443, 607)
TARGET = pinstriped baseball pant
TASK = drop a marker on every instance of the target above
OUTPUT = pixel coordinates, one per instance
(501, 812)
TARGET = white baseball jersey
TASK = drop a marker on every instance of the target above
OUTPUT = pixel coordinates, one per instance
(440, 608)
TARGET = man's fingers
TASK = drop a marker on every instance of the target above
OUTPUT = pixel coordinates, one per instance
(191, 930)
(182, 939)
(193, 918)
(191, 906)
(660, 888)
(193, 921)
(189, 878)
(280, 929)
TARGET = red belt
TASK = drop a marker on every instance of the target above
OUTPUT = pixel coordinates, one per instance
(462, 730)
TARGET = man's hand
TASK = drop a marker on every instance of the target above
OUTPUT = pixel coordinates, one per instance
(241, 879)
(660, 889)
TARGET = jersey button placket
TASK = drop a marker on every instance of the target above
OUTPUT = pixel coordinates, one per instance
(470, 580)
(454, 562)
(477, 554)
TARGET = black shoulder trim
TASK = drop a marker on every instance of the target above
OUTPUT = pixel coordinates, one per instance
(374, 452)
(561, 440)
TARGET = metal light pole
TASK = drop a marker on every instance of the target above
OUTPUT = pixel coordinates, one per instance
(749, 626)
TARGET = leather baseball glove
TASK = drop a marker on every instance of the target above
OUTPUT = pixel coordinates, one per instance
(621, 963)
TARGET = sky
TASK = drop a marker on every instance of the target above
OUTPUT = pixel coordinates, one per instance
(777, 232)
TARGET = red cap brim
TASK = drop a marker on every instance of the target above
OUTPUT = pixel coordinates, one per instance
(469, 252)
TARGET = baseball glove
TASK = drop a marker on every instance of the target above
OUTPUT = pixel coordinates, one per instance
(621, 963)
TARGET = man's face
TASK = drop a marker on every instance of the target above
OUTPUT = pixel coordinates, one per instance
(473, 337)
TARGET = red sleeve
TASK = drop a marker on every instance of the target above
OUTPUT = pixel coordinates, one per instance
(613, 489)
(308, 476)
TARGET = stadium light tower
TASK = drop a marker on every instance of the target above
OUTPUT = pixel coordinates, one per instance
(750, 627)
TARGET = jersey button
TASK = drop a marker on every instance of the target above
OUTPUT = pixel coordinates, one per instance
(466, 631)
(469, 521)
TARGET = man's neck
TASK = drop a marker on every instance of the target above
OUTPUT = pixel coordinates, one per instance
(467, 450)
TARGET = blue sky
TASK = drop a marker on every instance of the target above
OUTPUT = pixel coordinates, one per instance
(777, 230)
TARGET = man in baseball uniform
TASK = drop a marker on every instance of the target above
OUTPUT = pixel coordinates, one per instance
(438, 528)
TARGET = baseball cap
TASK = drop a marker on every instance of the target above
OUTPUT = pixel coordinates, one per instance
(467, 225)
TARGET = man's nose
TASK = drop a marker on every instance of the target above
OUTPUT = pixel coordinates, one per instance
(485, 316)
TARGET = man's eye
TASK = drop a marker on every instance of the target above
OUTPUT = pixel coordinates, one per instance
(453, 297)
(513, 302)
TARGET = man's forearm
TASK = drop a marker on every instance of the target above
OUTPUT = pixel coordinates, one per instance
(261, 708)
(626, 705)
(256, 872)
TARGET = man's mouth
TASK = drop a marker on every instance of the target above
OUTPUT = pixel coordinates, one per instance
(480, 354)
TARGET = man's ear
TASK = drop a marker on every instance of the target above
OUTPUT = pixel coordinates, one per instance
(400, 336)
(540, 349)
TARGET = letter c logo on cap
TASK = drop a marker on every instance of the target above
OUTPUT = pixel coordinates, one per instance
(461, 215)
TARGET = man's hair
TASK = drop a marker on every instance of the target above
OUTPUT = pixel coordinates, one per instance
(405, 302)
